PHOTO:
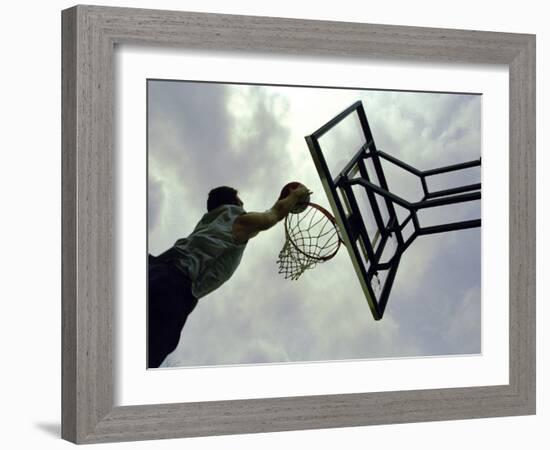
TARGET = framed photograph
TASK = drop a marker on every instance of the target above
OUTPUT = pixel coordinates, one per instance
(404, 244)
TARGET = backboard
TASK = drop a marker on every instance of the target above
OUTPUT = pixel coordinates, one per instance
(366, 220)
(376, 225)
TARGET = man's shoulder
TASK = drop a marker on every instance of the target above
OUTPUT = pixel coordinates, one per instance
(226, 212)
(222, 219)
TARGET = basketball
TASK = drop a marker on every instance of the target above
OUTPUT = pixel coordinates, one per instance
(300, 207)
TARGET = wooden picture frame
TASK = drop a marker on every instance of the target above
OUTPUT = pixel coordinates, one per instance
(89, 34)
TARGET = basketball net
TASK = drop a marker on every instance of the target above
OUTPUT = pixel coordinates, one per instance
(311, 237)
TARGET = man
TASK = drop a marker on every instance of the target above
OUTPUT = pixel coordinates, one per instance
(200, 263)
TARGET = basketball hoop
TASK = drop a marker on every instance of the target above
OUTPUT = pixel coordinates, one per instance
(312, 237)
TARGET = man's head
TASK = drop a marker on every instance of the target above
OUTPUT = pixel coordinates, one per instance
(222, 195)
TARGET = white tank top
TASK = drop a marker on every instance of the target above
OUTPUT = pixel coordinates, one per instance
(210, 254)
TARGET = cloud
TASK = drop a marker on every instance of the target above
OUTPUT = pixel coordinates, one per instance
(154, 202)
(464, 331)
(422, 128)
(427, 308)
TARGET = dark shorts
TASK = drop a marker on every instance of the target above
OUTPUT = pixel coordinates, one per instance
(169, 301)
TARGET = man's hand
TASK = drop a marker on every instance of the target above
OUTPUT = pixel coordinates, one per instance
(297, 195)
(300, 193)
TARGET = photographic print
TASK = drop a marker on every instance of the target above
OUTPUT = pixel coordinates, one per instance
(293, 224)
(339, 312)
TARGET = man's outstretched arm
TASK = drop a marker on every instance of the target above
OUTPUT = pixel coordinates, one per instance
(250, 224)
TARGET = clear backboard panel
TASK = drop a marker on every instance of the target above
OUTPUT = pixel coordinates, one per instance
(343, 151)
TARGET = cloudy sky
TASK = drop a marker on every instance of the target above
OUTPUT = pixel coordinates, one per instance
(203, 135)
